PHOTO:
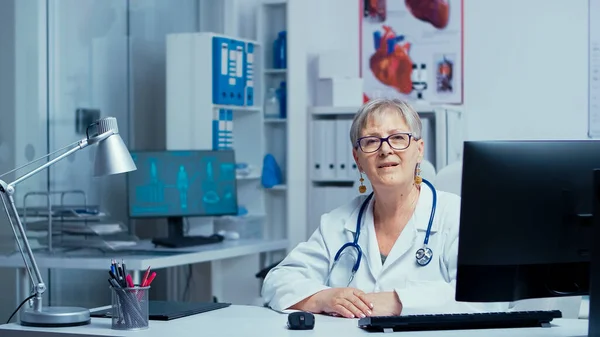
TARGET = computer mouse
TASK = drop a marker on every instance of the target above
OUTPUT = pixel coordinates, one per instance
(301, 320)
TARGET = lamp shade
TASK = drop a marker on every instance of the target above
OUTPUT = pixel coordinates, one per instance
(112, 156)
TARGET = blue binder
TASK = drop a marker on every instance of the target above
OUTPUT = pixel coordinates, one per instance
(238, 75)
(222, 130)
(249, 72)
(220, 73)
(228, 139)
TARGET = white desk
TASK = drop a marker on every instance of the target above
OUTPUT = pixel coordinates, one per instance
(137, 259)
(258, 322)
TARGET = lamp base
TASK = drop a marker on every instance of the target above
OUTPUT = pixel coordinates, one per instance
(55, 317)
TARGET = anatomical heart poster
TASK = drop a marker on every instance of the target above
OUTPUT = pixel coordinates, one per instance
(412, 49)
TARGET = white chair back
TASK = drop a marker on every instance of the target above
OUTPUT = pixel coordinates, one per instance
(449, 178)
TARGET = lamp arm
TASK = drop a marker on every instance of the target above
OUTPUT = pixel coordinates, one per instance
(32, 268)
(80, 145)
(77, 146)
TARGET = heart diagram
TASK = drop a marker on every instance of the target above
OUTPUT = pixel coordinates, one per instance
(391, 63)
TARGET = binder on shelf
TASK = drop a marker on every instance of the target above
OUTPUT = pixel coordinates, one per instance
(238, 97)
(222, 130)
(249, 69)
(329, 147)
(229, 134)
(317, 155)
(220, 71)
(332, 158)
(351, 164)
(324, 161)
(342, 147)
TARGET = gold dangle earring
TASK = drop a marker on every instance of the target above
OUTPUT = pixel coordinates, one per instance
(418, 179)
(362, 188)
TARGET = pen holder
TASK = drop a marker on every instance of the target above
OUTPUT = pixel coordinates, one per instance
(129, 308)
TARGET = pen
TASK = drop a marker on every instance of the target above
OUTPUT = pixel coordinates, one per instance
(124, 272)
(129, 281)
(145, 278)
(112, 276)
(150, 279)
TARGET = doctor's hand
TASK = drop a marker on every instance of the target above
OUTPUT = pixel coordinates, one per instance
(346, 302)
(385, 303)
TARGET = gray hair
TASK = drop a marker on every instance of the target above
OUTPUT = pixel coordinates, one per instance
(378, 107)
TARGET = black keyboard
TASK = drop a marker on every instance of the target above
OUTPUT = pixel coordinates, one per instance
(187, 241)
(486, 320)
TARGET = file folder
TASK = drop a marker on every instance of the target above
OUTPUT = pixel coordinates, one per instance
(222, 130)
(324, 150)
(329, 148)
(249, 69)
(317, 160)
(238, 75)
(228, 141)
(353, 173)
(220, 70)
(342, 147)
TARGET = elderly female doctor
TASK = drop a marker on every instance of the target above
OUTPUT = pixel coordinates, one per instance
(404, 258)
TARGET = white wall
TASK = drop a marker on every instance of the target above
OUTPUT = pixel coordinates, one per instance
(526, 69)
(525, 63)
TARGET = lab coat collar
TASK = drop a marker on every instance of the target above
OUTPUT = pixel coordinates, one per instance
(420, 217)
(350, 222)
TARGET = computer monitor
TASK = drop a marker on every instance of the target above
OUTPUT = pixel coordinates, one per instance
(526, 224)
(179, 184)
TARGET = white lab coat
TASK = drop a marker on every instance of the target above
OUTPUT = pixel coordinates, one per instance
(429, 289)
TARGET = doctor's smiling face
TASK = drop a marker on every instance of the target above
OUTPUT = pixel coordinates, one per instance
(390, 163)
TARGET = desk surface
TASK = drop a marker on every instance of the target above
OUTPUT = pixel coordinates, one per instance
(139, 258)
(253, 321)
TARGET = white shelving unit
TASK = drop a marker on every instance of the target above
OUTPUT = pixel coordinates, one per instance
(271, 19)
(190, 114)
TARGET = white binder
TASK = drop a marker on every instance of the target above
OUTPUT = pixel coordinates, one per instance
(352, 167)
(342, 147)
(328, 147)
(317, 161)
(323, 150)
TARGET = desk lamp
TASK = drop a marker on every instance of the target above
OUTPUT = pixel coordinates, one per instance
(112, 157)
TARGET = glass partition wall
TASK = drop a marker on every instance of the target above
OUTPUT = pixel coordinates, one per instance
(64, 63)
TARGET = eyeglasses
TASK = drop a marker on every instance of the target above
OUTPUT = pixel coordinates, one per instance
(397, 141)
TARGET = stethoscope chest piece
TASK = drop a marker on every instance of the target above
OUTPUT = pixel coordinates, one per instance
(424, 256)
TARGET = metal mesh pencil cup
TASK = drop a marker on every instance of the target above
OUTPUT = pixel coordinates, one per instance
(129, 308)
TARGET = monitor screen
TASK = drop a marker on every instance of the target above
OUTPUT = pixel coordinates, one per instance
(526, 219)
(182, 183)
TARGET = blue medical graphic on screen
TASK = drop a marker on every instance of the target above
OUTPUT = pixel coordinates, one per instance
(182, 183)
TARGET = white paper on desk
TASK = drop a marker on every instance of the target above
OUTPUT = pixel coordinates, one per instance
(96, 228)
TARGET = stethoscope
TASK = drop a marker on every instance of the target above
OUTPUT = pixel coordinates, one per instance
(423, 254)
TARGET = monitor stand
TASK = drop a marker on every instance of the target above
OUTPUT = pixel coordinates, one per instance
(176, 237)
(594, 290)
(175, 227)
